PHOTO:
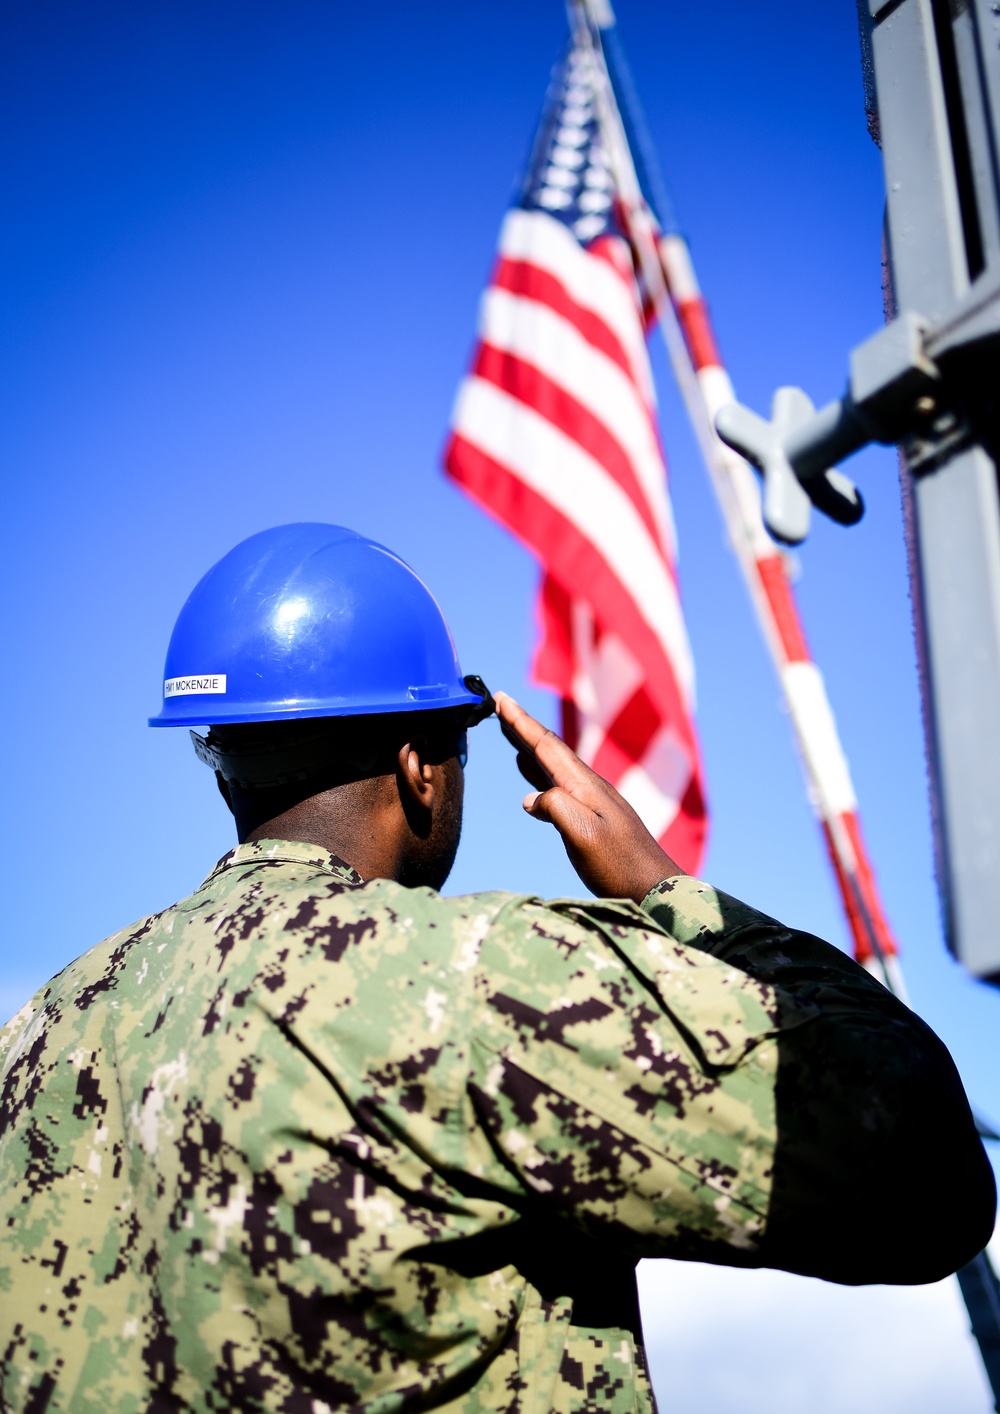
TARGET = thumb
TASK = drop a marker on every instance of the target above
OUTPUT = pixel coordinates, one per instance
(558, 807)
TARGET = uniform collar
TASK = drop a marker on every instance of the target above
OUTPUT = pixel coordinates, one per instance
(286, 852)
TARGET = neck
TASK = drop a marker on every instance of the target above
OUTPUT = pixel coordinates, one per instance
(355, 822)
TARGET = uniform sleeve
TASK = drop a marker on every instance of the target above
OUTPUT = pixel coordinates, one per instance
(694, 1080)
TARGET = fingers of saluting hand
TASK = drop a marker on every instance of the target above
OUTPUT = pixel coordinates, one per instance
(607, 843)
(574, 819)
(560, 761)
(527, 764)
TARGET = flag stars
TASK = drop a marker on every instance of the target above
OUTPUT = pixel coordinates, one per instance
(576, 117)
(562, 156)
(599, 178)
(588, 228)
(594, 201)
(571, 137)
(572, 181)
(561, 177)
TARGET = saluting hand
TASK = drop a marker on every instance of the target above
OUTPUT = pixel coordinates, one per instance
(608, 845)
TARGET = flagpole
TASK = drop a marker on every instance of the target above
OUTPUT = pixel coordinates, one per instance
(669, 277)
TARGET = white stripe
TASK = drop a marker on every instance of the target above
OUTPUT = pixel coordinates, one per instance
(890, 965)
(558, 469)
(606, 674)
(591, 282)
(656, 810)
(543, 338)
(716, 388)
(680, 274)
(817, 734)
(716, 391)
(655, 785)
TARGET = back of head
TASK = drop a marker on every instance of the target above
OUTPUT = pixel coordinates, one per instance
(316, 655)
(266, 769)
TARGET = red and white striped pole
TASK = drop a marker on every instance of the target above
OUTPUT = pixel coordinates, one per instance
(763, 565)
(669, 276)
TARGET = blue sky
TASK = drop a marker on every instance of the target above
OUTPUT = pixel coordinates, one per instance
(242, 252)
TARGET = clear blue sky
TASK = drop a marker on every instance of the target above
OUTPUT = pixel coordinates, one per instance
(241, 256)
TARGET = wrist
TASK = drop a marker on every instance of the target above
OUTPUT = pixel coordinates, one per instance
(652, 872)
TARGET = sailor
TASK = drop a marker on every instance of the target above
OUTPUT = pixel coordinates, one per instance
(317, 1138)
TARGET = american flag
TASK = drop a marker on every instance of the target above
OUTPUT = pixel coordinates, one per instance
(554, 433)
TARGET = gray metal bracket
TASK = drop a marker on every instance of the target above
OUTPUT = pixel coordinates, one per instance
(894, 391)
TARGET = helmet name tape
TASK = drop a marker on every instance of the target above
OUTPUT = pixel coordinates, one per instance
(194, 687)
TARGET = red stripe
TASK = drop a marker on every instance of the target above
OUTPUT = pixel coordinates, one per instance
(862, 949)
(617, 252)
(692, 315)
(570, 715)
(784, 611)
(629, 735)
(537, 391)
(574, 560)
(553, 662)
(863, 882)
(684, 839)
(521, 278)
(553, 667)
(865, 879)
(627, 740)
(635, 726)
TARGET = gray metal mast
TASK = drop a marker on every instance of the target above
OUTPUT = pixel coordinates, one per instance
(929, 381)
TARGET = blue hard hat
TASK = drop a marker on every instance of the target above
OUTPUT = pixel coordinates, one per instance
(309, 621)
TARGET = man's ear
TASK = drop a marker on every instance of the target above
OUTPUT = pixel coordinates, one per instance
(415, 777)
(224, 791)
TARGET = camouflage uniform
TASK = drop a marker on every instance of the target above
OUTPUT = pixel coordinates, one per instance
(306, 1143)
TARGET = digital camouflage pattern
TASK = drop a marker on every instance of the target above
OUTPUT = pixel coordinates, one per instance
(307, 1143)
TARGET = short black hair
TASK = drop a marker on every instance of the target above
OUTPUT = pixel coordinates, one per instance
(327, 751)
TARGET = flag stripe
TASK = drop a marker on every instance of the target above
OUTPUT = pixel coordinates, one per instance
(685, 840)
(558, 469)
(628, 736)
(593, 284)
(653, 759)
(522, 278)
(535, 390)
(571, 556)
(541, 337)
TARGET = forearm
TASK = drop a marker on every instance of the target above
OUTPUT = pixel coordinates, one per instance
(878, 1173)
